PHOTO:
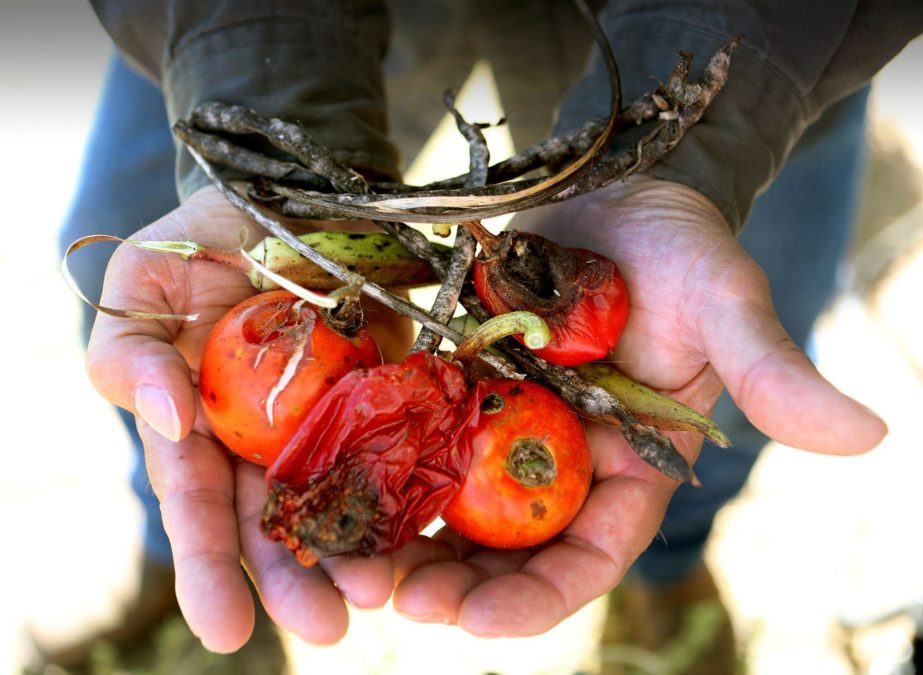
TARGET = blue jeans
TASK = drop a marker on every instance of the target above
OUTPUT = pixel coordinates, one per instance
(798, 232)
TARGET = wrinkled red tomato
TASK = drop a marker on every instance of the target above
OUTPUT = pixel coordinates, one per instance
(580, 294)
(374, 462)
(265, 364)
(530, 468)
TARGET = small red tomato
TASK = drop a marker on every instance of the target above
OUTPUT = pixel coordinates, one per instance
(266, 363)
(580, 294)
(530, 468)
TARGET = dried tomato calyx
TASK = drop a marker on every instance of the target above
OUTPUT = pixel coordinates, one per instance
(531, 463)
(346, 318)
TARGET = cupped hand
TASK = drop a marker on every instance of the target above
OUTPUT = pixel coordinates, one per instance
(210, 501)
(701, 319)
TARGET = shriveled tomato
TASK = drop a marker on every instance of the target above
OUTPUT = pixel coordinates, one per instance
(580, 294)
(374, 462)
(266, 363)
(530, 468)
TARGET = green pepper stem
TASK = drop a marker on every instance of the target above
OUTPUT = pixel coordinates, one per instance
(534, 331)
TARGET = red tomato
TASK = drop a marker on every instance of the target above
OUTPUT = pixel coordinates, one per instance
(266, 363)
(530, 468)
(586, 312)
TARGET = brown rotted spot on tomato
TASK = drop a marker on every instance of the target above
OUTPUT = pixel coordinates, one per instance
(538, 509)
(492, 404)
(515, 390)
(375, 460)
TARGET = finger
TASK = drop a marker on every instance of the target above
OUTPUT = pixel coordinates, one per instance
(364, 582)
(508, 594)
(419, 551)
(435, 592)
(778, 388)
(300, 600)
(195, 485)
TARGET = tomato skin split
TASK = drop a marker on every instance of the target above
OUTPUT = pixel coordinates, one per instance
(375, 461)
(266, 363)
(505, 506)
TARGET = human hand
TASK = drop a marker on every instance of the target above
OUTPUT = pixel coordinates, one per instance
(701, 319)
(211, 501)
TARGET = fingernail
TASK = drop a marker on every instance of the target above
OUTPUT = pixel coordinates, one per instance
(158, 409)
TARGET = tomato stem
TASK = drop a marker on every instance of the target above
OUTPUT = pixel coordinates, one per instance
(490, 243)
(534, 330)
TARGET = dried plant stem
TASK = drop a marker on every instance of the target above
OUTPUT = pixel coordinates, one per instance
(465, 245)
(684, 102)
(597, 404)
(219, 149)
(558, 149)
(284, 135)
(553, 151)
(689, 103)
(447, 296)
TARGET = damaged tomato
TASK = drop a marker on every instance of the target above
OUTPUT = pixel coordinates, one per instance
(375, 460)
(580, 294)
(265, 364)
(530, 468)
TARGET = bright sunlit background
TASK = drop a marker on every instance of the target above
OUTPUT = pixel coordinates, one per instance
(819, 559)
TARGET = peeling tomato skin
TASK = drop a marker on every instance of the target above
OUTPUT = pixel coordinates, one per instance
(495, 509)
(245, 357)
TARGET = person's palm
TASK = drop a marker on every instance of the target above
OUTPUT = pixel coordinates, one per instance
(701, 318)
(211, 502)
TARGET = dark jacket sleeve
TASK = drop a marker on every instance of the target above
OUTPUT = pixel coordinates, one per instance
(796, 58)
(312, 61)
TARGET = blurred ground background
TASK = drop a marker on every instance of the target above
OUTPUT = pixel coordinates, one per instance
(819, 559)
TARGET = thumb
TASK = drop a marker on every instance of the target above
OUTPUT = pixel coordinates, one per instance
(134, 368)
(779, 389)
(133, 363)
